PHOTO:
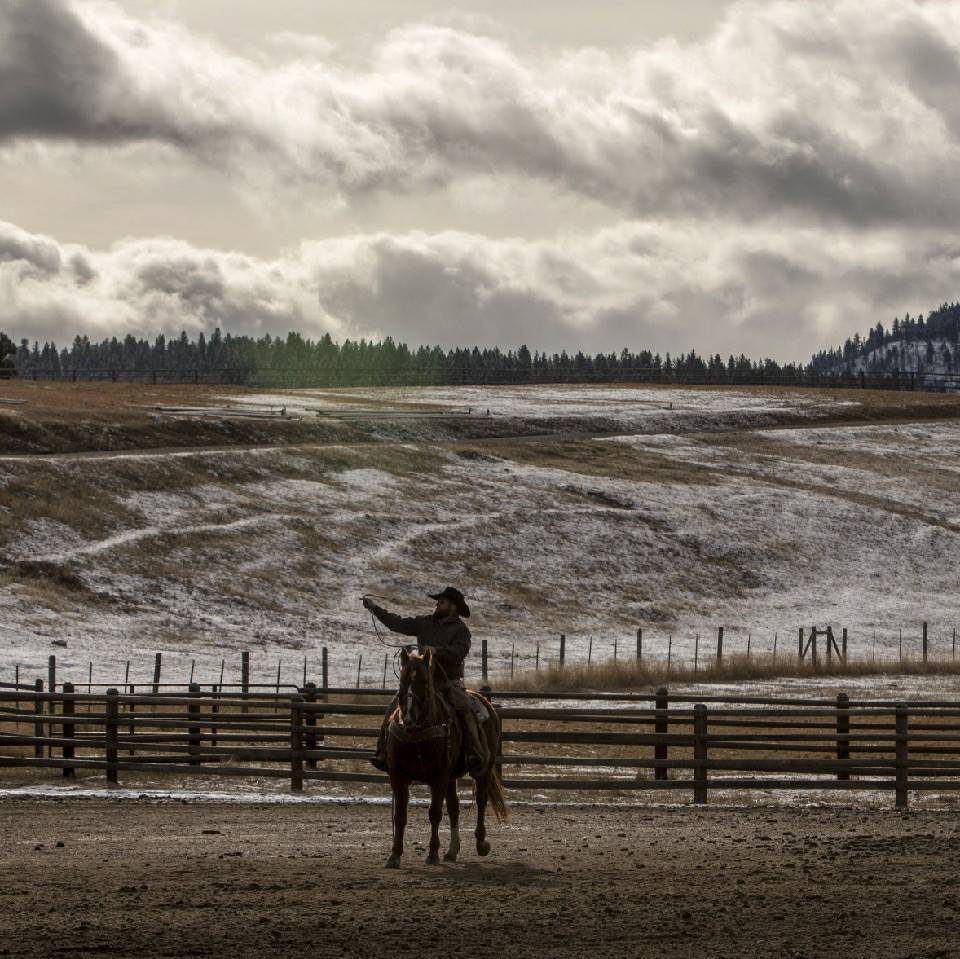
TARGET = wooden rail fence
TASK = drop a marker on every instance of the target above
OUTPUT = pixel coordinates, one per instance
(592, 741)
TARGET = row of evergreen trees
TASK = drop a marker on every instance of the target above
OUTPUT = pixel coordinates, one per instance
(358, 363)
(916, 344)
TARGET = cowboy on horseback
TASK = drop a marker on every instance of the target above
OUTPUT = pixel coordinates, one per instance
(445, 633)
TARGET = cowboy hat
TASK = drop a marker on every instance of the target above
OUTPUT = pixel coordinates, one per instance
(455, 596)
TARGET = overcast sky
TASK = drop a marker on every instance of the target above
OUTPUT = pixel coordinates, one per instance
(758, 177)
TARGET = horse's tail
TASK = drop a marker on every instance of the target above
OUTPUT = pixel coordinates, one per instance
(498, 797)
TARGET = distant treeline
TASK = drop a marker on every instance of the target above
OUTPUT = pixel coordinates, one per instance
(928, 345)
(913, 343)
(361, 363)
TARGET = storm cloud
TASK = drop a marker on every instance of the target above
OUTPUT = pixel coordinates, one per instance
(841, 110)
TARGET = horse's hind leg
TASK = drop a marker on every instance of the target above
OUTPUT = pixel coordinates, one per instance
(483, 792)
(437, 793)
(453, 811)
(492, 732)
(401, 795)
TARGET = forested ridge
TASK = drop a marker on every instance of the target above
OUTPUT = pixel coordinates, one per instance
(920, 344)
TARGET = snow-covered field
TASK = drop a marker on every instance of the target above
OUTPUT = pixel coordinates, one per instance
(678, 529)
(631, 406)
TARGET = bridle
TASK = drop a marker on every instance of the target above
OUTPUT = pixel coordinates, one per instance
(408, 730)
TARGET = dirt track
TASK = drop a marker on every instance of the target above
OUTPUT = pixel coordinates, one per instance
(143, 879)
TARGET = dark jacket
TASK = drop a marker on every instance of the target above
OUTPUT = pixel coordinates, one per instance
(449, 637)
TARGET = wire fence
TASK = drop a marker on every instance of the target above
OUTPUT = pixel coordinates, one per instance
(646, 656)
(312, 378)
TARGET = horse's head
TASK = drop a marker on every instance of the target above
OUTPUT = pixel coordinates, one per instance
(416, 687)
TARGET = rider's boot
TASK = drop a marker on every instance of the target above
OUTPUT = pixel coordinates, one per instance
(476, 747)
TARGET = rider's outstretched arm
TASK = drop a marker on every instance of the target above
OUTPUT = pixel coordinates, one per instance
(407, 625)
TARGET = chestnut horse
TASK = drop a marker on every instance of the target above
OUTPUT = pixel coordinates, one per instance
(424, 745)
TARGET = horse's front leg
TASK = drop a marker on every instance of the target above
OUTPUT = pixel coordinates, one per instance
(453, 811)
(401, 796)
(438, 792)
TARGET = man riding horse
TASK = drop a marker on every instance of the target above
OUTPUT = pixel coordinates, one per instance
(447, 635)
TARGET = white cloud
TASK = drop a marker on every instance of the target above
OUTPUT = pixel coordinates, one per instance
(710, 286)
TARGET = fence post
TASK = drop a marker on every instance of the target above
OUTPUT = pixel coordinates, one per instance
(700, 753)
(193, 711)
(244, 679)
(215, 691)
(537, 668)
(324, 671)
(800, 645)
(719, 644)
(661, 726)
(924, 641)
(843, 732)
(639, 644)
(156, 674)
(696, 651)
(67, 729)
(563, 649)
(310, 720)
(590, 652)
(829, 638)
(843, 640)
(483, 660)
(111, 735)
(902, 756)
(296, 744)
(38, 725)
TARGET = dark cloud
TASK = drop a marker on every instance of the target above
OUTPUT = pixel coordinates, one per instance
(56, 78)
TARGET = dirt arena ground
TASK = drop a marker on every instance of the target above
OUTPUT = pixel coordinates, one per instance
(172, 878)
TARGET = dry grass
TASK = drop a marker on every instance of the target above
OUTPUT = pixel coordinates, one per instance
(630, 675)
(615, 460)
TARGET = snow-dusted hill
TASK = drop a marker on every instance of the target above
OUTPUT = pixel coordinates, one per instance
(936, 356)
(677, 527)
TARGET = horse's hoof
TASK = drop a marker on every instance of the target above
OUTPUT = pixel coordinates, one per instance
(433, 859)
(393, 863)
(450, 857)
(483, 848)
